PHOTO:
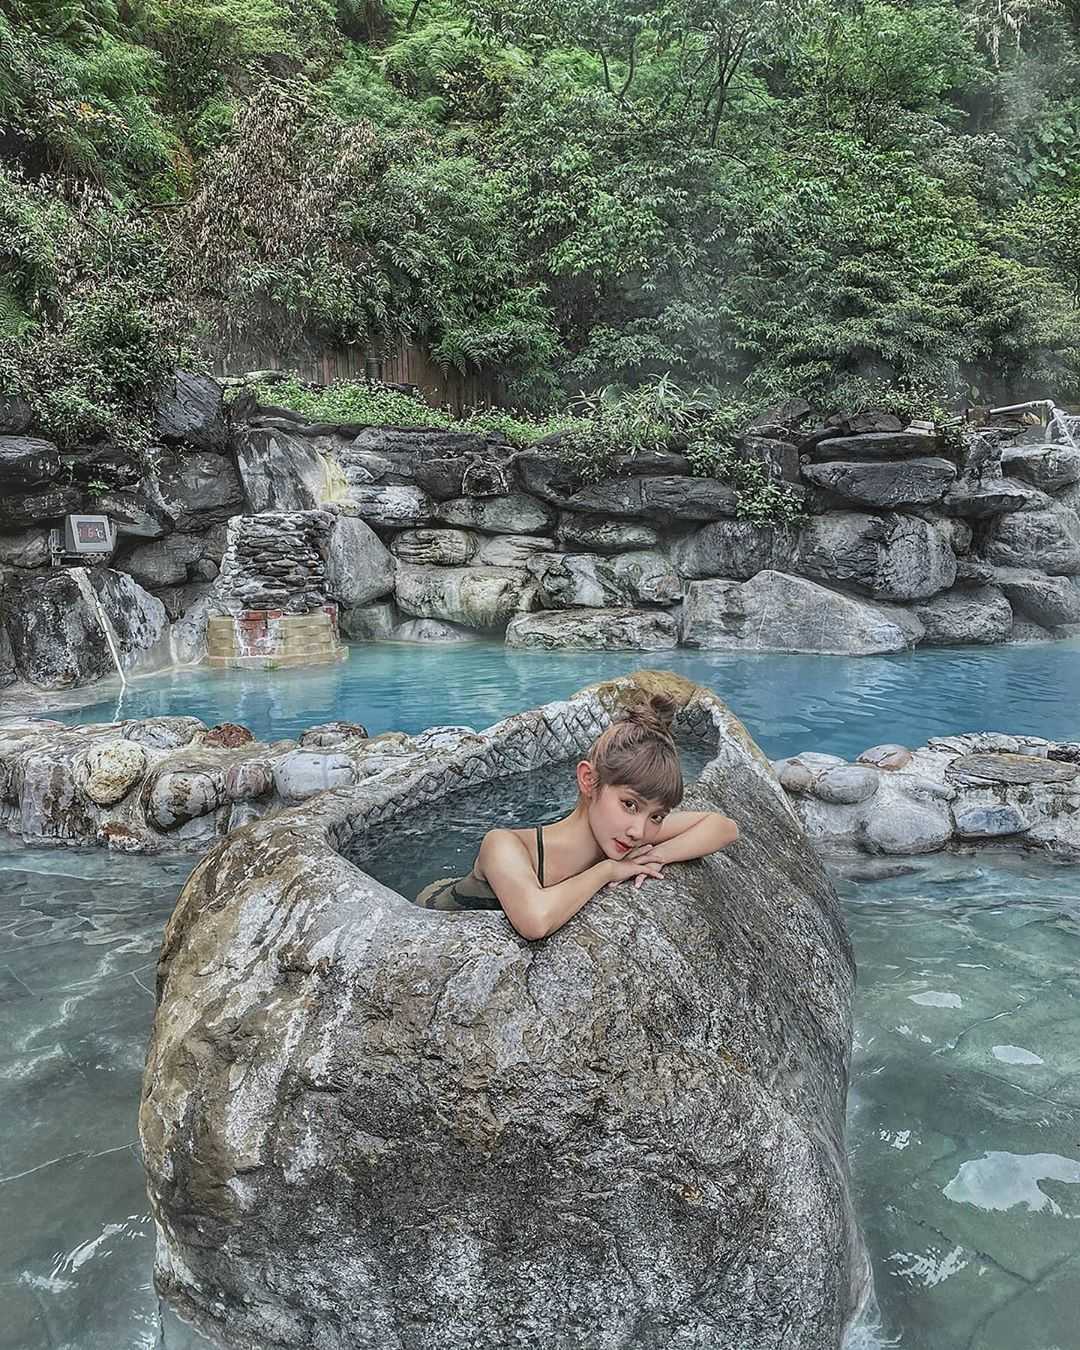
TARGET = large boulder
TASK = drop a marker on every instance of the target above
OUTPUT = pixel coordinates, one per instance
(434, 548)
(513, 550)
(391, 505)
(598, 534)
(891, 556)
(26, 462)
(1049, 467)
(366, 1124)
(777, 612)
(992, 497)
(58, 635)
(279, 471)
(199, 488)
(874, 445)
(19, 509)
(164, 562)
(135, 512)
(886, 485)
(190, 412)
(478, 597)
(734, 548)
(359, 567)
(668, 498)
(1049, 601)
(516, 513)
(980, 614)
(368, 623)
(638, 630)
(1048, 541)
(27, 548)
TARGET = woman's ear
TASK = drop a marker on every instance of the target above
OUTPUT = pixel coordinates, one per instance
(586, 778)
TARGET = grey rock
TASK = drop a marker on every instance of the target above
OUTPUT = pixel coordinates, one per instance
(956, 532)
(135, 512)
(889, 756)
(968, 614)
(162, 733)
(777, 612)
(722, 1041)
(359, 567)
(327, 734)
(174, 794)
(892, 556)
(594, 629)
(432, 630)
(576, 580)
(28, 548)
(302, 773)
(164, 562)
(1024, 630)
(516, 513)
(596, 534)
(735, 548)
(8, 672)
(846, 784)
(1048, 601)
(887, 485)
(971, 572)
(18, 509)
(513, 550)
(199, 489)
(907, 827)
(279, 471)
(434, 548)
(107, 771)
(1049, 467)
(368, 623)
(190, 412)
(1048, 541)
(667, 498)
(27, 462)
(56, 633)
(392, 505)
(994, 497)
(648, 578)
(249, 779)
(477, 597)
(875, 445)
(989, 822)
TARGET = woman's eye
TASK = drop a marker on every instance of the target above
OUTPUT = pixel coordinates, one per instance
(630, 806)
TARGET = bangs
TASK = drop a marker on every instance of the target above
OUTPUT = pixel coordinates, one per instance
(650, 767)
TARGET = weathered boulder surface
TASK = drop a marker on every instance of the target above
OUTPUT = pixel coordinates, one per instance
(164, 562)
(434, 548)
(1049, 601)
(980, 614)
(362, 1120)
(993, 497)
(27, 462)
(56, 633)
(280, 472)
(589, 580)
(516, 513)
(134, 512)
(891, 556)
(368, 623)
(1050, 467)
(479, 597)
(18, 509)
(597, 534)
(512, 550)
(777, 612)
(874, 445)
(392, 505)
(27, 548)
(359, 567)
(199, 488)
(735, 548)
(1046, 540)
(190, 411)
(640, 630)
(887, 485)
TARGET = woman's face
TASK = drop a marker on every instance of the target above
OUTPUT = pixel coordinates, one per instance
(621, 819)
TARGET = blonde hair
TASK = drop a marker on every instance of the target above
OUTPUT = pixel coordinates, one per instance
(638, 751)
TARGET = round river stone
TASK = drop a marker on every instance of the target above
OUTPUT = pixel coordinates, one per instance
(106, 773)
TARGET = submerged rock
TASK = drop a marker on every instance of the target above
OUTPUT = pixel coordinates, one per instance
(361, 1121)
(638, 630)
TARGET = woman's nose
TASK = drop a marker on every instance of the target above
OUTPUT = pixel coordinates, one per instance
(634, 829)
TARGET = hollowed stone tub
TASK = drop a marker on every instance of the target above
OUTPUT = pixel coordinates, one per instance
(370, 1125)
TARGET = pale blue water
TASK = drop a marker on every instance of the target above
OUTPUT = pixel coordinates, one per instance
(964, 1122)
(790, 703)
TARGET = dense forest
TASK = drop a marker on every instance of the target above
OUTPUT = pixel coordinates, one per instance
(749, 199)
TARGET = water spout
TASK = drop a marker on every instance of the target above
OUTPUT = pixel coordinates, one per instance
(82, 580)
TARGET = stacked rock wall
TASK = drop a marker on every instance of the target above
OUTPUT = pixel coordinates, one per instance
(437, 535)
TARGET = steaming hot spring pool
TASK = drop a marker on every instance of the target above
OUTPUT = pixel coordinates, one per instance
(964, 1111)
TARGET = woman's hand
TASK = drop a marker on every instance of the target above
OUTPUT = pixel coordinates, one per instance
(638, 866)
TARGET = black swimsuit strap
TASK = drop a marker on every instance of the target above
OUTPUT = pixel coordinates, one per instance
(540, 853)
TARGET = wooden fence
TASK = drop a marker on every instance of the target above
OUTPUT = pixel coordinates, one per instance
(390, 362)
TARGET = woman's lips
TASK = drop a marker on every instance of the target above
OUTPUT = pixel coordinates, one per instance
(623, 848)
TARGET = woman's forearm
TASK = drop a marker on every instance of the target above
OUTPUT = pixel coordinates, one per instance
(708, 835)
(562, 902)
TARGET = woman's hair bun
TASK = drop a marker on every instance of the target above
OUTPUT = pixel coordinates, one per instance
(653, 713)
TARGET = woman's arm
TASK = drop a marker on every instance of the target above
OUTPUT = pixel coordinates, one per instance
(690, 834)
(534, 910)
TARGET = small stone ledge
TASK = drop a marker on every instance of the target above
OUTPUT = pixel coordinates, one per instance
(979, 789)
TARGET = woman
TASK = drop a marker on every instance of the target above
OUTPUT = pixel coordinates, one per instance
(623, 828)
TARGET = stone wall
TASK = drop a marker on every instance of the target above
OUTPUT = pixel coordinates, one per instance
(441, 535)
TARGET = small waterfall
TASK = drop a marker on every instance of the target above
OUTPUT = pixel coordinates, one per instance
(335, 485)
(1065, 426)
(82, 580)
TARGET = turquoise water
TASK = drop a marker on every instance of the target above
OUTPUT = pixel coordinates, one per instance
(964, 1122)
(790, 703)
